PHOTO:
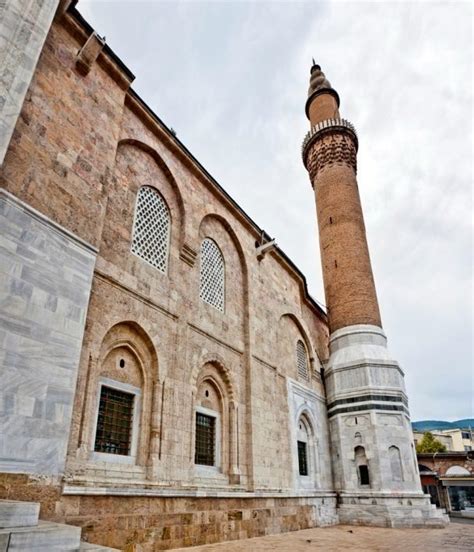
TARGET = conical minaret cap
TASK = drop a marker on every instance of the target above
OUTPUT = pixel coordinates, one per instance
(317, 80)
(318, 84)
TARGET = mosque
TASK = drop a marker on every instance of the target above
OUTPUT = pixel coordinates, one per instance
(166, 378)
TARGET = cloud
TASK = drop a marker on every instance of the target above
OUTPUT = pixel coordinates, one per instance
(231, 78)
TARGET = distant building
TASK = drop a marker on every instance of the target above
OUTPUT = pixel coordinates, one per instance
(448, 477)
(456, 436)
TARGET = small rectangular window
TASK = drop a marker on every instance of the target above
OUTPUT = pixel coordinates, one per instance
(302, 458)
(364, 475)
(205, 439)
(114, 422)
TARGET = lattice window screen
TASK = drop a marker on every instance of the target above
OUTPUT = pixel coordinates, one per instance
(301, 360)
(212, 275)
(151, 228)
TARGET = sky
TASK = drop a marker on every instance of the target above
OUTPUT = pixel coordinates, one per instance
(231, 79)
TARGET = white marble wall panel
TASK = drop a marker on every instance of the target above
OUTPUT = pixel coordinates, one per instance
(45, 283)
(304, 401)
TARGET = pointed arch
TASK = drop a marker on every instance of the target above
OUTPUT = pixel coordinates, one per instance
(216, 360)
(233, 236)
(126, 373)
(151, 152)
(312, 353)
(131, 335)
(304, 412)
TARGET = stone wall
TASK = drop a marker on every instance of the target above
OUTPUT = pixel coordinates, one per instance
(161, 524)
(23, 29)
(153, 523)
(83, 146)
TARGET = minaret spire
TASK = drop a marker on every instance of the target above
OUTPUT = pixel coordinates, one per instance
(320, 86)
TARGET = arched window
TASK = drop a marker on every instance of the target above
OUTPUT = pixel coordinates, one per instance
(151, 228)
(215, 425)
(119, 398)
(301, 359)
(396, 463)
(212, 278)
(208, 423)
(362, 466)
(303, 443)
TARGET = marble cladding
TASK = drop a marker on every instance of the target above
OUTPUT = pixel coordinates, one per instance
(312, 407)
(46, 536)
(24, 26)
(14, 513)
(45, 284)
(390, 511)
(371, 413)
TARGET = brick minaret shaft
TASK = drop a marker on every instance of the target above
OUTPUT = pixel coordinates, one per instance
(330, 156)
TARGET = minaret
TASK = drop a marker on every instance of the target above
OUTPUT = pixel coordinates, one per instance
(330, 154)
(374, 460)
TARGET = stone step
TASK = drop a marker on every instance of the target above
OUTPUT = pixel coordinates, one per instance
(45, 537)
(14, 513)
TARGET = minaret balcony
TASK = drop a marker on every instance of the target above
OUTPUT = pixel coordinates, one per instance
(326, 127)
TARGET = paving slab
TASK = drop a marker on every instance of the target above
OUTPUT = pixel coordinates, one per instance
(454, 537)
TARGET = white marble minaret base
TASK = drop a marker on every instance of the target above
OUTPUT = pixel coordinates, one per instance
(373, 455)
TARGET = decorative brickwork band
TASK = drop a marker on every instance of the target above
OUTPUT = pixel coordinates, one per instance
(335, 141)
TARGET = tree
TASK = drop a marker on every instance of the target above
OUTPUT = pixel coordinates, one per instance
(429, 444)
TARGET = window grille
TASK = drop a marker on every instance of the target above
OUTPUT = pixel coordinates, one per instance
(301, 360)
(302, 458)
(151, 228)
(212, 274)
(205, 439)
(114, 423)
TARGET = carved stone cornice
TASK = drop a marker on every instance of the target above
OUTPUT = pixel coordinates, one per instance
(333, 141)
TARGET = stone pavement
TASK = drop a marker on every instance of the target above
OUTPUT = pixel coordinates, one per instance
(354, 539)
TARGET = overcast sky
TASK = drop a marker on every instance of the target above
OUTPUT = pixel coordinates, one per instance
(231, 78)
